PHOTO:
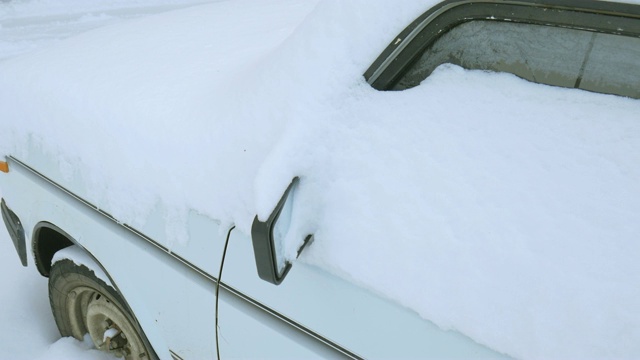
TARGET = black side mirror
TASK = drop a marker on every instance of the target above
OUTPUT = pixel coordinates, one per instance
(268, 236)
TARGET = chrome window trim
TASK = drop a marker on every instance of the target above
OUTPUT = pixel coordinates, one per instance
(391, 54)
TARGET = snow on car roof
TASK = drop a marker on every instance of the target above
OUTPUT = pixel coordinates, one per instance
(500, 208)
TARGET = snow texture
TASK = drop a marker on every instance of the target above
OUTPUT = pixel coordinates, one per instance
(26, 25)
(79, 257)
(500, 208)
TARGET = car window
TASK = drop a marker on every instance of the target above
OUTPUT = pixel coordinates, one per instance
(553, 55)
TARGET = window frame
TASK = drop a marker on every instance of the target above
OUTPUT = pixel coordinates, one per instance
(410, 44)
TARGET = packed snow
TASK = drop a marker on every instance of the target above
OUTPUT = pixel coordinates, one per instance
(81, 257)
(500, 208)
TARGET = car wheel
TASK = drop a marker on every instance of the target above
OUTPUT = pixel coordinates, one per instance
(82, 303)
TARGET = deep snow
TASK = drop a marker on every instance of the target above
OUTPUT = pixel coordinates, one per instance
(27, 25)
(509, 208)
(27, 328)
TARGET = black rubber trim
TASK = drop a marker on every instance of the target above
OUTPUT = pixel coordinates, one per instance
(43, 255)
(406, 48)
(16, 232)
(192, 267)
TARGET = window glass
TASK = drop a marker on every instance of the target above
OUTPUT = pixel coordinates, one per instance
(543, 54)
(613, 66)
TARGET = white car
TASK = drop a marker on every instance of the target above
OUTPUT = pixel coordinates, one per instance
(326, 179)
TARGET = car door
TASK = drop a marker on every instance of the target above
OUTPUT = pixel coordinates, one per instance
(313, 312)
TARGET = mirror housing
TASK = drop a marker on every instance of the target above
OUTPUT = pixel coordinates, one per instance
(267, 237)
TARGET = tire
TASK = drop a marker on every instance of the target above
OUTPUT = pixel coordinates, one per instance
(82, 303)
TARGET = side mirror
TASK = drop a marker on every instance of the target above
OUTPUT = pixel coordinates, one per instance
(268, 239)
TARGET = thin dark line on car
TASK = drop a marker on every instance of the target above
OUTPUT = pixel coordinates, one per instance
(191, 266)
(585, 61)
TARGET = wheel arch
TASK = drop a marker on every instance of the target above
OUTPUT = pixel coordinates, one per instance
(48, 239)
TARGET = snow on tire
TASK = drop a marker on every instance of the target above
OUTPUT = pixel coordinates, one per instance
(83, 303)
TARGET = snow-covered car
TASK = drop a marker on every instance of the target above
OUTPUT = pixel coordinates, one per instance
(328, 178)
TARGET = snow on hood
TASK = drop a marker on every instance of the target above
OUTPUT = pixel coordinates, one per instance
(500, 208)
(149, 109)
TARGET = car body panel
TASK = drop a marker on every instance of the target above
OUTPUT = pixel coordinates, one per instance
(154, 288)
(318, 300)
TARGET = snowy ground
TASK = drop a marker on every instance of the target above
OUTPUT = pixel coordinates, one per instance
(26, 25)
(26, 325)
(27, 328)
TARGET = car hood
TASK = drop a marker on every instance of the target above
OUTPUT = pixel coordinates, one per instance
(147, 91)
(151, 109)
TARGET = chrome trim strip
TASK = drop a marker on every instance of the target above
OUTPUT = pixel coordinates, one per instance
(110, 217)
(404, 42)
(196, 269)
(174, 355)
(292, 323)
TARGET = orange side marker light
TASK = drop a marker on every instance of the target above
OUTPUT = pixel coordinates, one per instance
(4, 167)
